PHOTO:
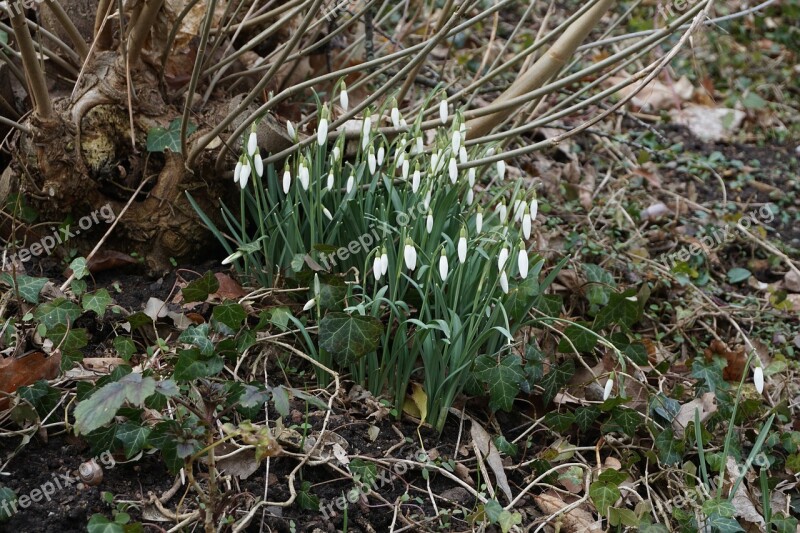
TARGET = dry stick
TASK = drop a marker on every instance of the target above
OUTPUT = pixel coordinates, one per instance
(41, 49)
(102, 38)
(53, 37)
(34, 71)
(108, 232)
(141, 29)
(68, 26)
(544, 69)
(11, 123)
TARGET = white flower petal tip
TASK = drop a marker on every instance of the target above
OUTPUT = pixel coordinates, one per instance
(384, 263)
(415, 179)
(327, 213)
(429, 223)
(231, 258)
(462, 248)
(479, 222)
(443, 111)
(501, 169)
(526, 224)
(244, 176)
(395, 114)
(456, 141)
(410, 255)
(443, 266)
(252, 144)
(504, 282)
(237, 172)
(758, 379)
(452, 169)
(309, 304)
(502, 258)
(322, 131)
(522, 263)
(287, 181)
(377, 268)
(290, 130)
(371, 162)
(350, 183)
(344, 99)
(259, 165)
(381, 155)
(534, 208)
(608, 388)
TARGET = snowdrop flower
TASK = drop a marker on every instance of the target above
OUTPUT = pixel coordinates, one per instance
(502, 258)
(443, 266)
(526, 223)
(502, 211)
(371, 163)
(401, 158)
(403, 123)
(462, 246)
(452, 169)
(405, 169)
(303, 175)
(434, 161)
(258, 164)
(309, 304)
(322, 128)
(384, 261)
(439, 160)
(522, 260)
(410, 254)
(287, 179)
(350, 183)
(534, 209)
(377, 268)
(327, 213)
(233, 257)
(252, 143)
(415, 179)
(395, 114)
(501, 169)
(290, 129)
(456, 141)
(504, 282)
(479, 220)
(471, 176)
(336, 153)
(470, 197)
(244, 175)
(344, 99)
(329, 185)
(429, 222)
(609, 387)
(443, 111)
(316, 285)
(365, 138)
(237, 171)
(758, 378)
(381, 154)
(462, 155)
(519, 210)
(427, 200)
(420, 144)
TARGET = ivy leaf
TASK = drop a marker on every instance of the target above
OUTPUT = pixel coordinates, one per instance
(199, 289)
(28, 287)
(192, 365)
(332, 291)
(582, 340)
(70, 340)
(503, 378)
(198, 335)
(738, 275)
(96, 301)
(670, 449)
(253, 396)
(585, 417)
(229, 313)
(124, 347)
(79, 267)
(502, 517)
(604, 495)
(348, 337)
(59, 311)
(720, 507)
(280, 399)
(599, 284)
(7, 498)
(100, 524)
(665, 407)
(784, 524)
(710, 373)
(41, 396)
(624, 420)
(555, 379)
(133, 438)
(160, 138)
(623, 309)
(723, 524)
(558, 422)
(306, 499)
(101, 407)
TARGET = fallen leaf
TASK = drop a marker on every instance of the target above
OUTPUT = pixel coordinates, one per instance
(416, 405)
(706, 404)
(483, 443)
(229, 289)
(736, 359)
(575, 520)
(16, 372)
(709, 124)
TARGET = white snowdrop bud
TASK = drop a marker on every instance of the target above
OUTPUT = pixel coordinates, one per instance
(327, 213)
(322, 131)
(290, 129)
(395, 114)
(526, 223)
(233, 257)
(471, 176)
(287, 180)
(258, 163)
(502, 258)
(377, 268)
(452, 169)
(252, 144)
(456, 141)
(758, 379)
(462, 246)
(504, 282)
(401, 158)
(344, 99)
(479, 220)
(462, 155)
(371, 162)
(329, 185)
(405, 169)
(502, 212)
(501, 169)
(443, 111)
(420, 144)
(415, 179)
(350, 183)
(381, 154)
(336, 153)
(519, 210)
(443, 266)
(534, 208)
(309, 304)
(365, 132)
(434, 161)
(429, 222)
(384, 261)
(426, 202)
(410, 254)
(303, 175)
(522, 260)
(608, 388)
(237, 171)
(244, 175)
(470, 196)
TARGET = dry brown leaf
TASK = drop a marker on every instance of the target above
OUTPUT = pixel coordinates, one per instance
(736, 359)
(484, 444)
(656, 95)
(706, 404)
(229, 289)
(16, 372)
(575, 520)
(709, 124)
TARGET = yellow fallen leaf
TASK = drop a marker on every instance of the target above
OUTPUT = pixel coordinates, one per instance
(416, 405)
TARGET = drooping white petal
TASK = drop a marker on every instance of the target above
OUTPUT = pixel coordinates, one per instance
(504, 282)
(522, 262)
(233, 257)
(758, 379)
(427, 200)
(443, 111)
(329, 185)
(259, 165)
(252, 144)
(336, 153)
(384, 262)
(327, 213)
(237, 172)
(462, 155)
(415, 178)
(470, 196)
(371, 163)
(526, 224)
(479, 221)
(429, 223)
(420, 144)
(456, 141)
(344, 99)
(471, 176)
(309, 304)
(290, 129)
(452, 169)
(462, 249)
(350, 183)
(434, 161)
(518, 210)
(381, 154)
(365, 139)
(405, 169)
(609, 386)
(443, 266)
(502, 258)
(322, 131)
(410, 255)
(501, 169)
(395, 113)
(534, 208)
(287, 181)
(401, 158)
(303, 176)
(244, 175)
(502, 212)
(377, 268)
